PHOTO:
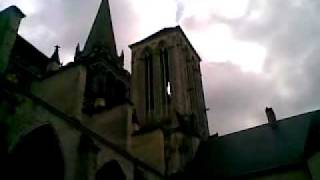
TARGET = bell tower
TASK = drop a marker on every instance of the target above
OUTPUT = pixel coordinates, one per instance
(107, 82)
(167, 93)
(166, 82)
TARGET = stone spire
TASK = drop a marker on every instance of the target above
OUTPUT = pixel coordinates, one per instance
(121, 59)
(9, 25)
(55, 56)
(77, 53)
(101, 33)
(55, 63)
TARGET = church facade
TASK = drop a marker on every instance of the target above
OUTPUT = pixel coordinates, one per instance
(93, 120)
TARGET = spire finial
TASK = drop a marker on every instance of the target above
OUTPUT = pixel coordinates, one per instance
(101, 33)
(78, 47)
(121, 59)
(77, 52)
(55, 63)
(55, 56)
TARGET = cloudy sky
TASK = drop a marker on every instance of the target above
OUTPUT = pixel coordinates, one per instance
(256, 53)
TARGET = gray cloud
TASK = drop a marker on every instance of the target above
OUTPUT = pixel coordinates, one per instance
(180, 10)
(289, 32)
(68, 22)
(236, 99)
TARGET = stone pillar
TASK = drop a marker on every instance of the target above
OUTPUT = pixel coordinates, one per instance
(10, 19)
(178, 77)
(86, 165)
(138, 85)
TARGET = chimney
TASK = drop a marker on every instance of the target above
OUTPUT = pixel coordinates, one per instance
(270, 115)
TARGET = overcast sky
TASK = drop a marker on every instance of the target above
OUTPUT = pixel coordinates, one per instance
(256, 53)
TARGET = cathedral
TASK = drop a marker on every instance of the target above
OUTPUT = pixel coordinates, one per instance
(93, 120)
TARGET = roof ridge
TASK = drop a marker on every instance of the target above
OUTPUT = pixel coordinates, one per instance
(267, 124)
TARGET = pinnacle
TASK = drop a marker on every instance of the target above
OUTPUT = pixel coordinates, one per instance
(101, 33)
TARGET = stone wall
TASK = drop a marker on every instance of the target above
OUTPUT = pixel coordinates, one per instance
(112, 124)
(33, 113)
(64, 90)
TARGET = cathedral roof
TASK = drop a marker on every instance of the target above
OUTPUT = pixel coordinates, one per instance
(29, 57)
(260, 149)
(101, 33)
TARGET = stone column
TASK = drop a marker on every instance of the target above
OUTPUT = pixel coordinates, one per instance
(138, 86)
(178, 76)
(10, 19)
(87, 159)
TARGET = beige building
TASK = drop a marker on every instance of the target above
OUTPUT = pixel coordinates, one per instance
(93, 120)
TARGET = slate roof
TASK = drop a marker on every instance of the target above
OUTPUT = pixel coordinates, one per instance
(257, 149)
(28, 57)
(101, 32)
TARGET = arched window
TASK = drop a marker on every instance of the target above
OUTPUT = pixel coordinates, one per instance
(37, 156)
(110, 90)
(121, 92)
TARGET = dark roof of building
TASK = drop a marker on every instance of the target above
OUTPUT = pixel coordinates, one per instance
(258, 149)
(14, 9)
(28, 57)
(164, 31)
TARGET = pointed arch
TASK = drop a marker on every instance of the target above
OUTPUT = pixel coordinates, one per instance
(37, 156)
(120, 92)
(162, 44)
(110, 170)
(147, 51)
(109, 90)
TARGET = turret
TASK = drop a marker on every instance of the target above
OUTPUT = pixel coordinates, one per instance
(10, 19)
(54, 63)
(77, 53)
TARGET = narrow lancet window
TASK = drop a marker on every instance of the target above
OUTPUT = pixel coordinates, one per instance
(146, 72)
(165, 81)
(149, 95)
(151, 83)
